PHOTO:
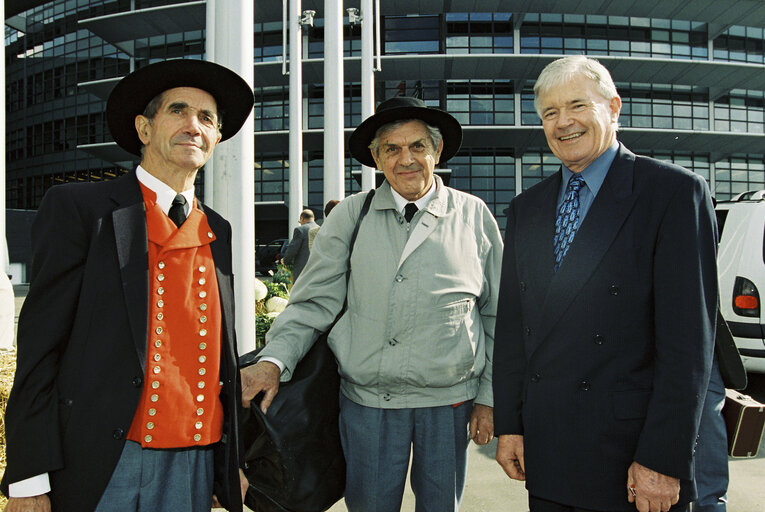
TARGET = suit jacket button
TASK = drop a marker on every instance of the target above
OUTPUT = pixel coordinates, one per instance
(138, 381)
(522, 286)
(599, 339)
(614, 290)
(528, 331)
(535, 377)
(118, 433)
(584, 385)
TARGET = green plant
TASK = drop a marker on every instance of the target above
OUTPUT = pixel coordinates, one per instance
(277, 290)
(283, 275)
(262, 325)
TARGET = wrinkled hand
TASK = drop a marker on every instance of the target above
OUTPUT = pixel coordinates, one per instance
(510, 456)
(654, 492)
(39, 503)
(263, 376)
(482, 424)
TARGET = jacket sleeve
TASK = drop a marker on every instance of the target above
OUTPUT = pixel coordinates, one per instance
(59, 249)
(318, 296)
(685, 308)
(487, 302)
(509, 353)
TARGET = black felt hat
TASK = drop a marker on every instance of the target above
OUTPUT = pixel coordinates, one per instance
(130, 96)
(401, 108)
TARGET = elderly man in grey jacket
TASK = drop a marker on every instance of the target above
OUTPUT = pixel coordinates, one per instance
(414, 345)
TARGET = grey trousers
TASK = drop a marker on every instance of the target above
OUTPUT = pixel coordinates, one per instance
(147, 480)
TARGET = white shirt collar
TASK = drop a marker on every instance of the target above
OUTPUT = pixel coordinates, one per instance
(165, 194)
(421, 203)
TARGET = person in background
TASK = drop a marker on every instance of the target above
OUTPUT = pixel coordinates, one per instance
(414, 344)
(297, 251)
(607, 313)
(126, 393)
(315, 231)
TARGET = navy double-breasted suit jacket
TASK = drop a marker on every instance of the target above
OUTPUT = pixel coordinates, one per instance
(607, 361)
(82, 344)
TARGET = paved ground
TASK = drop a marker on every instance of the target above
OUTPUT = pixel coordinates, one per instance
(489, 490)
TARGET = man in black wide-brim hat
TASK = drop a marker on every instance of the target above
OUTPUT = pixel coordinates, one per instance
(126, 390)
(414, 345)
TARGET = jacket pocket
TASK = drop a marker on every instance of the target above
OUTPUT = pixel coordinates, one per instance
(448, 347)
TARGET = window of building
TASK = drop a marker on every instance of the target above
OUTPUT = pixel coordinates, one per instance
(675, 107)
(411, 34)
(268, 42)
(484, 32)
(271, 109)
(613, 35)
(271, 179)
(485, 173)
(477, 102)
(741, 111)
(741, 44)
(739, 174)
(537, 164)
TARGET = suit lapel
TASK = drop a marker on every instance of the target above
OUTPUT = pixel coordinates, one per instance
(600, 227)
(129, 218)
(536, 243)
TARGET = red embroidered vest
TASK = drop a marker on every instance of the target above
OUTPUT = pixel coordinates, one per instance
(180, 405)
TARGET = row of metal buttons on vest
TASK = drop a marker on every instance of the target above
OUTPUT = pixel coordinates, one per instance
(157, 357)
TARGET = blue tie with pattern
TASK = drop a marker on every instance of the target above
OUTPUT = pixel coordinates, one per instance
(567, 221)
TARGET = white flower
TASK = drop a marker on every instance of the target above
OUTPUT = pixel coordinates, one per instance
(272, 314)
(260, 290)
(276, 304)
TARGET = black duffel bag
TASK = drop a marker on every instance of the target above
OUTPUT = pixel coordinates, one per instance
(293, 457)
(294, 461)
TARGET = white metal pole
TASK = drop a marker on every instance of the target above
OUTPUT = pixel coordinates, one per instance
(234, 163)
(3, 245)
(296, 114)
(367, 80)
(334, 137)
(209, 177)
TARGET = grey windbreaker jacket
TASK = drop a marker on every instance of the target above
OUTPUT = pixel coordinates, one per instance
(422, 301)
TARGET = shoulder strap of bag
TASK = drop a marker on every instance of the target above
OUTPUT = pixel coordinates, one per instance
(362, 214)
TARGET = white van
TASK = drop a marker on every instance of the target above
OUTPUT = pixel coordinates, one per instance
(741, 273)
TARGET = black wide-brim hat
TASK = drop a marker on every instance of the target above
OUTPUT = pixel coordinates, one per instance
(130, 96)
(401, 108)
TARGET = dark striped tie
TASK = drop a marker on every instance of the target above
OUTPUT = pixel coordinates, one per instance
(177, 212)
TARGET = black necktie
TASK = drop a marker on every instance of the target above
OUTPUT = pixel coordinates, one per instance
(409, 210)
(177, 211)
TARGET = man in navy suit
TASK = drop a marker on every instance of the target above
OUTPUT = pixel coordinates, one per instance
(298, 251)
(606, 316)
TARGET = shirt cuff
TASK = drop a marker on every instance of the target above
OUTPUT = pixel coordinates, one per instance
(273, 360)
(35, 486)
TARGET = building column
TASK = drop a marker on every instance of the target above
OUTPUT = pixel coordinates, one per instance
(334, 134)
(367, 81)
(296, 114)
(234, 193)
(4, 259)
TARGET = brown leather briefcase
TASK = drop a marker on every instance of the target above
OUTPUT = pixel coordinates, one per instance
(744, 420)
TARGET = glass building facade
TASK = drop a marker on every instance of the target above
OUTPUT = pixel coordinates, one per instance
(693, 89)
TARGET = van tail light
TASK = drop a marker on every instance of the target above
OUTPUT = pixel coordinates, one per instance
(746, 298)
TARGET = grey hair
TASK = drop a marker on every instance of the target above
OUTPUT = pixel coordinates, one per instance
(563, 70)
(433, 132)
